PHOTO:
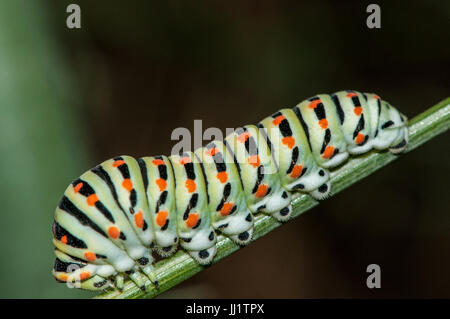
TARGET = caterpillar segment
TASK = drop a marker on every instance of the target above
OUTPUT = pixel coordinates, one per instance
(259, 173)
(227, 203)
(322, 125)
(297, 168)
(196, 233)
(159, 185)
(115, 217)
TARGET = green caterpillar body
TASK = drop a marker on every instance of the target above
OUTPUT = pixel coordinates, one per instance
(115, 215)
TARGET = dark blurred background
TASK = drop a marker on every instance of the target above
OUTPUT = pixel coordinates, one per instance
(136, 70)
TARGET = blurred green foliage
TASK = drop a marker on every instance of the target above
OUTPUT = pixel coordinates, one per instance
(39, 146)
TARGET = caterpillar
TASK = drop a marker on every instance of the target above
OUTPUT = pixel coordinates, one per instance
(113, 218)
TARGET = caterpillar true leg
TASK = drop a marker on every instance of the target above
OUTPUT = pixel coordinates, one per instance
(119, 281)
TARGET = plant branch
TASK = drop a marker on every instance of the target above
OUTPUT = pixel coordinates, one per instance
(181, 266)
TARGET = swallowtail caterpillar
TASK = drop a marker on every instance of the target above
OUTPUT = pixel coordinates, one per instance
(112, 218)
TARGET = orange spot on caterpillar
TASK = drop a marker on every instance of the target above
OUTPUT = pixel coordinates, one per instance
(278, 119)
(118, 163)
(190, 185)
(92, 199)
(262, 191)
(254, 160)
(162, 184)
(351, 94)
(62, 277)
(226, 209)
(127, 184)
(329, 150)
(358, 110)
(192, 220)
(114, 232)
(289, 141)
(90, 256)
(77, 187)
(359, 138)
(161, 218)
(296, 171)
(243, 137)
(64, 239)
(185, 160)
(222, 177)
(85, 275)
(212, 151)
(323, 123)
(377, 97)
(158, 162)
(313, 104)
(139, 219)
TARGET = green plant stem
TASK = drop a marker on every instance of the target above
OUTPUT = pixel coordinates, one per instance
(181, 266)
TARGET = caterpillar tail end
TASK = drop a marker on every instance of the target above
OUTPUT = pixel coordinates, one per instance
(399, 147)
